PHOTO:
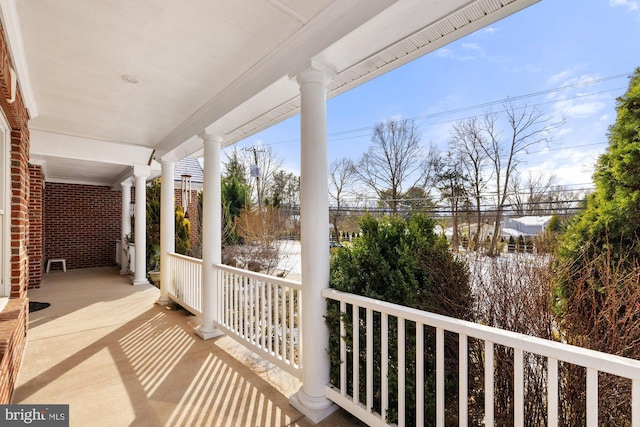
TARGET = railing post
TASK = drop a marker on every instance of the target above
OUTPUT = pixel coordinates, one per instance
(314, 228)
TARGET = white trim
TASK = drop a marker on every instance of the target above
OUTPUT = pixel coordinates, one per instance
(50, 144)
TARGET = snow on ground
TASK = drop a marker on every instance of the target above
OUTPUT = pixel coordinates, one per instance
(291, 261)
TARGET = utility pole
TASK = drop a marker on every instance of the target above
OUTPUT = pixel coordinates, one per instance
(255, 171)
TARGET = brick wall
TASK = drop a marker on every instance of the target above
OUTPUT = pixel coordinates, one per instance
(13, 333)
(13, 319)
(36, 226)
(82, 224)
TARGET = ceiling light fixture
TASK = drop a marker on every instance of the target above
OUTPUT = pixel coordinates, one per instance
(129, 78)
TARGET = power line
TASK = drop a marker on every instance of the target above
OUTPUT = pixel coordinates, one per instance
(476, 106)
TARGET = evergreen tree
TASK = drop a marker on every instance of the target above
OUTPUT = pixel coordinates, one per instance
(236, 196)
(610, 223)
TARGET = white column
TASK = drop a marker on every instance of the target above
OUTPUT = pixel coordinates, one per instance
(211, 234)
(314, 230)
(167, 228)
(141, 173)
(125, 227)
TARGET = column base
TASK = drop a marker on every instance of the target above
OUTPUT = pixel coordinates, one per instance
(314, 408)
(207, 335)
(163, 301)
(124, 272)
(137, 282)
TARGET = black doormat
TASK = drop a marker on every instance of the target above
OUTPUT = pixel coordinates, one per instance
(35, 306)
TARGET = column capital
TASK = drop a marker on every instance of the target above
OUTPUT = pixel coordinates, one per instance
(314, 72)
(212, 136)
(141, 170)
(126, 183)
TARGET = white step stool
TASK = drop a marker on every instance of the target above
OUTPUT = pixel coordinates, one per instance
(61, 260)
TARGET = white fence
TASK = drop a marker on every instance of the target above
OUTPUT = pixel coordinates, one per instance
(360, 402)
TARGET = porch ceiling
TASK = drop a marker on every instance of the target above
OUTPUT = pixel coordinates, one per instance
(206, 64)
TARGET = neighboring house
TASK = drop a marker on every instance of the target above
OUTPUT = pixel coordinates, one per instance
(524, 226)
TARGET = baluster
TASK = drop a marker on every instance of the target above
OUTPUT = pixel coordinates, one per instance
(592, 397)
(635, 403)
(292, 329)
(440, 377)
(356, 354)
(518, 387)
(401, 372)
(463, 379)
(419, 374)
(270, 316)
(369, 377)
(263, 316)
(283, 314)
(552, 392)
(488, 384)
(385, 364)
(343, 351)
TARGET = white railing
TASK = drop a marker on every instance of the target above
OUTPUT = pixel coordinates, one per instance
(360, 402)
(263, 313)
(185, 285)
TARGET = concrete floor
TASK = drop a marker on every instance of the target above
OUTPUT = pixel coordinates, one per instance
(118, 359)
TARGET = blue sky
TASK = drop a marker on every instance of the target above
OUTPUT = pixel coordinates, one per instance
(576, 52)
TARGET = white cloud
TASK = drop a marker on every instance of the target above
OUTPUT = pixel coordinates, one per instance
(632, 5)
(472, 46)
(526, 68)
(491, 30)
(561, 76)
(605, 118)
(444, 52)
(450, 54)
(579, 108)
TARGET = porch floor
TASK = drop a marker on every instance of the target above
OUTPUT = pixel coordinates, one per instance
(118, 359)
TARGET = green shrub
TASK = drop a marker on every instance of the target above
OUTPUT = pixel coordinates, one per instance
(403, 262)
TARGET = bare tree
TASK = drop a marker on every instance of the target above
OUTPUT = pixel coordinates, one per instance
(394, 162)
(261, 230)
(525, 127)
(528, 197)
(342, 176)
(563, 201)
(468, 142)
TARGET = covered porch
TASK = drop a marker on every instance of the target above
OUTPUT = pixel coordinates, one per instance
(105, 348)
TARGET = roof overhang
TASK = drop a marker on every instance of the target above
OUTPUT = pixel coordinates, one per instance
(226, 67)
